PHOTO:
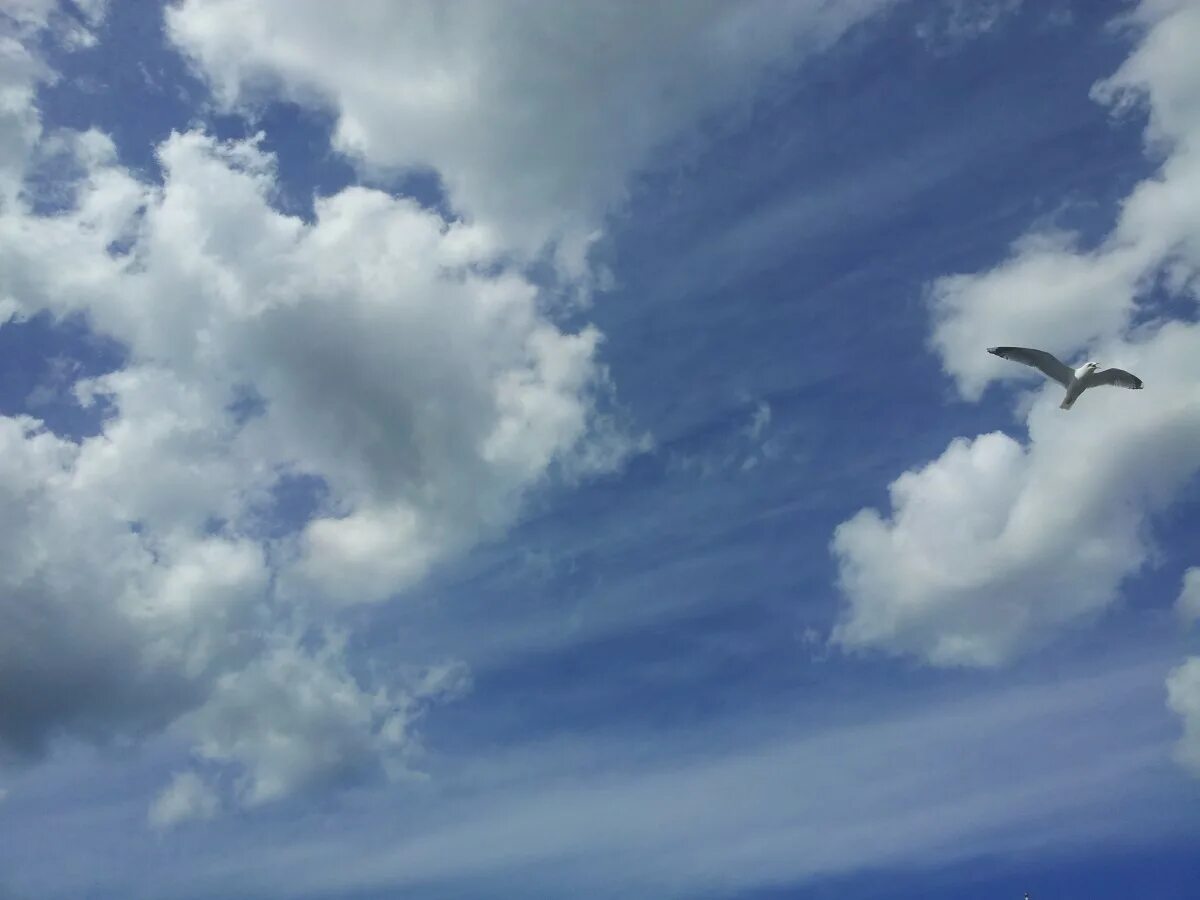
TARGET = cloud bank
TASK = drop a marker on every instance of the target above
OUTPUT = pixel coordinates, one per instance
(534, 115)
(396, 365)
(380, 352)
(999, 543)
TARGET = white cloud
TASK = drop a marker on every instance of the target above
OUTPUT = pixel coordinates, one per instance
(30, 14)
(754, 800)
(1052, 294)
(1047, 295)
(397, 359)
(1183, 697)
(533, 114)
(996, 544)
(186, 797)
(759, 421)
(294, 720)
(402, 361)
(72, 593)
(1188, 604)
(93, 11)
(37, 14)
(428, 395)
(1183, 684)
(20, 125)
(954, 22)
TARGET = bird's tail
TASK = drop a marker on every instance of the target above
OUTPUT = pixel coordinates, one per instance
(1068, 402)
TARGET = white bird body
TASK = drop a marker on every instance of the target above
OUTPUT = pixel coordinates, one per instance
(1080, 382)
(1076, 381)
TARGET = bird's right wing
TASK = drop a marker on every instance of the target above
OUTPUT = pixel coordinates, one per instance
(1039, 359)
(1119, 378)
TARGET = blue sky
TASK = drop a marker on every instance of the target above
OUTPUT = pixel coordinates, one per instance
(533, 451)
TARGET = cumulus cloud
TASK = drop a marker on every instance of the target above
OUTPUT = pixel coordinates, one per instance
(20, 124)
(427, 394)
(404, 362)
(1055, 294)
(105, 629)
(297, 721)
(391, 356)
(70, 27)
(1048, 295)
(997, 543)
(533, 114)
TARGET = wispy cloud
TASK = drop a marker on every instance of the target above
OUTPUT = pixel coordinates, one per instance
(475, 77)
(186, 797)
(956, 21)
(991, 773)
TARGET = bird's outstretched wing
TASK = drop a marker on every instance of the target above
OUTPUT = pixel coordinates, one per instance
(1118, 378)
(1040, 360)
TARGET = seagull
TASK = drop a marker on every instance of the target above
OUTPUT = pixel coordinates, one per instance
(1076, 381)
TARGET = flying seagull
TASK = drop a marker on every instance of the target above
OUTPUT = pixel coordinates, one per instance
(1076, 381)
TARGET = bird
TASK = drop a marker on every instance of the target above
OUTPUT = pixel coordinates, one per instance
(1076, 381)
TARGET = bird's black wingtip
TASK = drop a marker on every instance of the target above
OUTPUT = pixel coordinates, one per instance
(995, 351)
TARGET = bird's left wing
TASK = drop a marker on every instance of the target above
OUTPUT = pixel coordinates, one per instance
(1039, 359)
(1117, 378)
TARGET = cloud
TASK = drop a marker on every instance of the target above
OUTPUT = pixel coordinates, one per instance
(403, 362)
(428, 396)
(1183, 697)
(1183, 684)
(1047, 295)
(1052, 292)
(749, 803)
(186, 797)
(998, 543)
(534, 115)
(72, 641)
(1188, 603)
(393, 358)
(20, 124)
(293, 721)
(955, 22)
(759, 421)
(427, 393)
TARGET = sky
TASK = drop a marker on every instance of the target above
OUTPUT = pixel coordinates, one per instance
(533, 450)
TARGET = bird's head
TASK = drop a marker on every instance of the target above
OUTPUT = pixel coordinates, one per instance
(1092, 366)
